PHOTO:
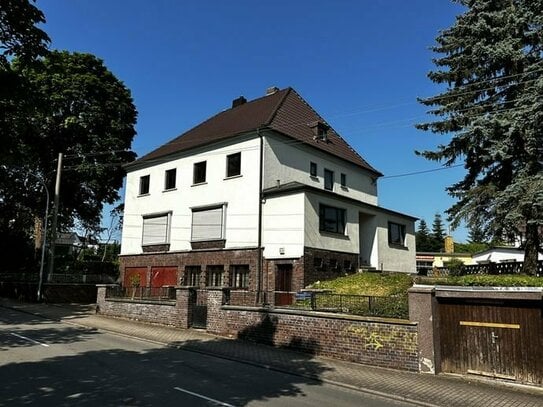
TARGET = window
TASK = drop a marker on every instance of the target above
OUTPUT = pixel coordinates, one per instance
(347, 265)
(199, 175)
(239, 276)
(318, 262)
(192, 275)
(333, 264)
(170, 178)
(208, 223)
(313, 169)
(233, 165)
(328, 179)
(331, 219)
(156, 229)
(343, 180)
(145, 182)
(214, 276)
(396, 233)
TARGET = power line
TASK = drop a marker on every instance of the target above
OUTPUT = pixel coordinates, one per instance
(407, 174)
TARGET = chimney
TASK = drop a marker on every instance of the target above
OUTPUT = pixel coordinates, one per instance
(238, 102)
(271, 90)
(449, 244)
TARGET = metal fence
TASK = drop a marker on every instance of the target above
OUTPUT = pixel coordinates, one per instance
(364, 305)
(142, 293)
(513, 267)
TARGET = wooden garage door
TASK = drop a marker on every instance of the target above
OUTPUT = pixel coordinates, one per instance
(161, 276)
(501, 339)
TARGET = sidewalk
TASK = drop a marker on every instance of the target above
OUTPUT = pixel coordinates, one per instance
(421, 389)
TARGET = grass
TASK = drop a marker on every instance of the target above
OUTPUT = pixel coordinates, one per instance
(374, 284)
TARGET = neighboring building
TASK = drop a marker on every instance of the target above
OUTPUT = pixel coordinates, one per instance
(263, 196)
(428, 261)
(501, 255)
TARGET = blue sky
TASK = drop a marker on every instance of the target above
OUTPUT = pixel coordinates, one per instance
(361, 64)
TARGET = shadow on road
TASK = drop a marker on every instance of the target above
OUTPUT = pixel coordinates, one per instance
(81, 375)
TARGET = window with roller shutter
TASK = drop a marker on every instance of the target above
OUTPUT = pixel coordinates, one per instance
(156, 229)
(208, 223)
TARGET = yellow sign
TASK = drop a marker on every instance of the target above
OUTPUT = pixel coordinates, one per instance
(490, 325)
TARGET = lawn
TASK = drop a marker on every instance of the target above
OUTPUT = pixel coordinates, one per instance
(374, 284)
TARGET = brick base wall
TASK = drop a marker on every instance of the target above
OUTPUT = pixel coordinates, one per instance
(202, 258)
(378, 342)
(315, 272)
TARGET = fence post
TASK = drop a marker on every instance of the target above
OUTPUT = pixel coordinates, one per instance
(313, 300)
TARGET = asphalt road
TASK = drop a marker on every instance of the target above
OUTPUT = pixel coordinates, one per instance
(47, 363)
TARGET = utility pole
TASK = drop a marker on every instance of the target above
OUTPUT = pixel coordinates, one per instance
(55, 219)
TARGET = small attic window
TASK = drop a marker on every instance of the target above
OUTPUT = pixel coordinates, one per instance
(320, 130)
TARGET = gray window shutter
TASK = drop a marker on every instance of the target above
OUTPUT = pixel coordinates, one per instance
(155, 230)
(207, 224)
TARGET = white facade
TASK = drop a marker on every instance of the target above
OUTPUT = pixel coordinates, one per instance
(500, 255)
(238, 194)
(291, 219)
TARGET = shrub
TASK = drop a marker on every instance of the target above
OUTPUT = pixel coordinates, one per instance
(455, 267)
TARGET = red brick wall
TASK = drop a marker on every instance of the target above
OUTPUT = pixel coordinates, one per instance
(377, 342)
(195, 258)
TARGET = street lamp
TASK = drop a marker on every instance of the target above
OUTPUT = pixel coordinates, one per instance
(44, 243)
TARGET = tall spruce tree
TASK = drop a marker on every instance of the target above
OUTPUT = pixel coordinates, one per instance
(423, 238)
(438, 233)
(491, 60)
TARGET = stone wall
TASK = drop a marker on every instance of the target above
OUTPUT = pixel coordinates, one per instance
(173, 313)
(374, 341)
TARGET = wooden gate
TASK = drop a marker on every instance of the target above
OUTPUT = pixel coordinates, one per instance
(198, 299)
(496, 338)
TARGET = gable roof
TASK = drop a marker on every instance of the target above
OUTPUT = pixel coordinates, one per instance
(283, 111)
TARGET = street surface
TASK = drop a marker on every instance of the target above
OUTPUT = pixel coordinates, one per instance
(48, 363)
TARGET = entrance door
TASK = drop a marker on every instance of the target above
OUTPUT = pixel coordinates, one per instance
(283, 284)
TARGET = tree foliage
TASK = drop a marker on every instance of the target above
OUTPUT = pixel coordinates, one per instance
(491, 60)
(78, 107)
(19, 34)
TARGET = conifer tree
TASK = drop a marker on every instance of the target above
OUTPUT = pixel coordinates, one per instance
(491, 61)
(423, 238)
(438, 232)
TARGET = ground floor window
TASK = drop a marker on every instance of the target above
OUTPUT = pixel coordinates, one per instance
(396, 234)
(239, 276)
(215, 276)
(192, 275)
(331, 219)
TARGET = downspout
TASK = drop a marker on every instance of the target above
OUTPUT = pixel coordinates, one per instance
(259, 268)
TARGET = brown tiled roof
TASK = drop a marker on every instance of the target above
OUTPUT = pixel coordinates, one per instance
(283, 111)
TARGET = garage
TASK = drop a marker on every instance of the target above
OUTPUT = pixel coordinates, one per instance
(492, 332)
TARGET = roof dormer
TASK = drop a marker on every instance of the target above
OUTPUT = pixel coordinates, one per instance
(320, 130)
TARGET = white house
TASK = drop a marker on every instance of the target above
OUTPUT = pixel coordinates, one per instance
(263, 196)
(501, 255)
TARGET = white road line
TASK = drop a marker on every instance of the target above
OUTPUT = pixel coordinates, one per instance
(28, 339)
(220, 403)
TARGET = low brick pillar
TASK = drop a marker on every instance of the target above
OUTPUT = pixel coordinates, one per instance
(216, 317)
(423, 311)
(101, 295)
(183, 305)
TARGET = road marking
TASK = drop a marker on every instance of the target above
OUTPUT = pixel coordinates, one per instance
(220, 403)
(30, 340)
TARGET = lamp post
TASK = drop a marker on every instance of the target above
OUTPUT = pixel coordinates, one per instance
(44, 243)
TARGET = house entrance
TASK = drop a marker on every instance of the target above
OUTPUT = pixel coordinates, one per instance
(283, 284)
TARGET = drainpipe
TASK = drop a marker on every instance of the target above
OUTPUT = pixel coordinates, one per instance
(259, 268)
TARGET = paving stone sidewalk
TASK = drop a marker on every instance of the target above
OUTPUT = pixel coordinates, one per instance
(421, 389)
